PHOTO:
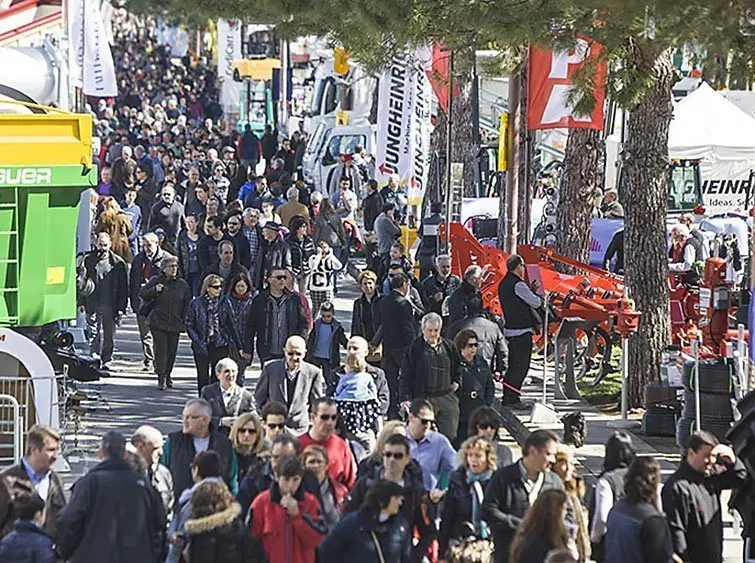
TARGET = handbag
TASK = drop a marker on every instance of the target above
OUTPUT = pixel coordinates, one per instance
(377, 546)
(471, 551)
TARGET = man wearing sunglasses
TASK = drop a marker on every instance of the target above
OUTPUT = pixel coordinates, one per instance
(399, 467)
(342, 466)
(275, 316)
(429, 448)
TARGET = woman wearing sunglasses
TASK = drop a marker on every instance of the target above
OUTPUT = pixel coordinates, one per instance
(477, 388)
(486, 422)
(209, 338)
(248, 443)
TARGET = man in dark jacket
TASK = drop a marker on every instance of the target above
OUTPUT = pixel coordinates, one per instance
(145, 265)
(440, 285)
(276, 314)
(430, 371)
(109, 299)
(429, 239)
(491, 344)
(168, 214)
(513, 489)
(372, 205)
(365, 317)
(227, 268)
(692, 498)
(35, 470)
(197, 435)
(146, 190)
(207, 249)
(250, 151)
(269, 144)
(458, 303)
(273, 252)
(114, 514)
(398, 330)
(236, 236)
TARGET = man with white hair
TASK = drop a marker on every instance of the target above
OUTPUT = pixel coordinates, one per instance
(292, 207)
(227, 399)
(682, 255)
(458, 303)
(430, 371)
(197, 435)
(148, 442)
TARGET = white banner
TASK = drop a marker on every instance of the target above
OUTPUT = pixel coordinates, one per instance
(90, 59)
(403, 127)
(229, 49)
(725, 184)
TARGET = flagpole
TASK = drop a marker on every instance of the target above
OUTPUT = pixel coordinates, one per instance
(449, 121)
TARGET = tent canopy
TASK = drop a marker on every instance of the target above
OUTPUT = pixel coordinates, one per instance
(706, 124)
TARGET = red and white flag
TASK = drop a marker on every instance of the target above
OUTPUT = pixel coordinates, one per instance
(550, 82)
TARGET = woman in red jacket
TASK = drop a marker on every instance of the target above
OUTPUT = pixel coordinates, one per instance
(285, 518)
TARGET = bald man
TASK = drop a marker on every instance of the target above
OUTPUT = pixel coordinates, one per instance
(293, 382)
(148, 442)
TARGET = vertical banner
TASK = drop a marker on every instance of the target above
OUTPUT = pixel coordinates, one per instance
(403, 127)
(549, 83)
(229, 49)
(90, 59)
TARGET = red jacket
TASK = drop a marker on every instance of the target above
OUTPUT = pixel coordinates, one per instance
(342, 467)
(285, 539)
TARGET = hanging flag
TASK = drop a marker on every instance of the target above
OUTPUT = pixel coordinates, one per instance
(435, 62)
(229, 49)
(91, 65)
(503, 143)
(549, 83)
(403, 126)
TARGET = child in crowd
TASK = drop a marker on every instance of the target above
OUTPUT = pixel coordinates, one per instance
(286, 518)
(324, 267)
(27, 543)
(325, 341)
(358, 405)
(396, 256)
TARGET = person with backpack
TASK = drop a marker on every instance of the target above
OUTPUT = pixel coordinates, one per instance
(619, 455)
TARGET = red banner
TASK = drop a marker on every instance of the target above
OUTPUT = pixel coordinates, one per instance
(437, 74)
(549, 83)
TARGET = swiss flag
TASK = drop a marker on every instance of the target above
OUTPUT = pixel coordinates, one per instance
(549, 82)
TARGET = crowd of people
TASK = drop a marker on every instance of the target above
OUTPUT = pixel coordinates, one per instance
(378, 443)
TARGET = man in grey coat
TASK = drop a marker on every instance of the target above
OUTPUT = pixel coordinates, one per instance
(492, 345)
(386, 229)
(292, 382)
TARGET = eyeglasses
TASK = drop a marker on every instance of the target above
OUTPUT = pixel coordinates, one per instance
(426, 421)
(215, 286)
(394, 455)
(247, 431)
(471, 344)
(282, 277)
(485, 426)
(328, 416)
(276, 425)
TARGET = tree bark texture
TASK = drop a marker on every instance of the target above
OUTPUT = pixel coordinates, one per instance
(579, 178)
(646, 264)
(464, 148)
(526, 161)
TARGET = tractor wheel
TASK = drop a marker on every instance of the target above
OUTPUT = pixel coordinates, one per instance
(686, 427)
(659, 423)
(715, 377)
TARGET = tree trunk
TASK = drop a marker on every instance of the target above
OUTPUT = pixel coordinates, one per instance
(646, 263)
(464, 148)
(436, 180)
(580, 177)
(526, 159)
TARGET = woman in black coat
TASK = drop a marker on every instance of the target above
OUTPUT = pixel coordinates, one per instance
(477, 387)
(216, 533)
(302, 249)
(377, 533)
(460, 518)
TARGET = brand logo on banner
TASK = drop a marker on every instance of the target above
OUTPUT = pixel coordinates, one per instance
(726, 185)
(90, 59)
(549, 82)
(229, 49)
(403, 127)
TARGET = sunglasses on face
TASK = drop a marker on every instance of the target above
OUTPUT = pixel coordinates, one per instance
(394, 455)
(276, 426)
(280, 278)
(471, 344)
(327, 417)
(426, 421)
(215, 286)
(247, 431)
(485, 426)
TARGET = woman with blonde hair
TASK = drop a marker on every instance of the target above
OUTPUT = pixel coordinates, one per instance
(542, 529)
(248, 442)
(575, 490)
(216, 533)
(209, 338)
(116, 223)
(358, 406)
(460, 518)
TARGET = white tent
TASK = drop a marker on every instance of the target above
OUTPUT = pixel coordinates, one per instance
(709, 127)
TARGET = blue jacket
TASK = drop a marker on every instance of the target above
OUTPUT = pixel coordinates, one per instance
(351, 540)
(637, 533)
(27, 543)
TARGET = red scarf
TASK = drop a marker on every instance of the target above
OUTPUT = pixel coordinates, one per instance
(239, 296)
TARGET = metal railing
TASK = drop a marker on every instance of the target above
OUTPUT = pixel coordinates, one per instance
(11, 430)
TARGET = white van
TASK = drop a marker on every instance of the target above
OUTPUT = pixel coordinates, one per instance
(327, 143)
